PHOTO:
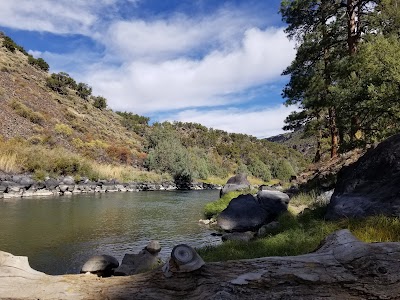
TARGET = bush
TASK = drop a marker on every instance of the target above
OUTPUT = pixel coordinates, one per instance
(27, 113)
(100, 102)
(9, 44)
(39, 63)
(83, 90)
(63, 129)
(259, 169)
(283, 170)
(60, 82)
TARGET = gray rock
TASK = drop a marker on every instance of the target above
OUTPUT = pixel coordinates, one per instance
(51, 183)
(267, 228)
(242, 214)
(102, 265)
(370, 186)
(153, 247)
(274, 202)
(142, 262)
(68, 180)
(238, 236)
(238, 182)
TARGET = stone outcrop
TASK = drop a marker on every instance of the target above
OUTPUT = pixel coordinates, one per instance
(371, 185)
(342, 268)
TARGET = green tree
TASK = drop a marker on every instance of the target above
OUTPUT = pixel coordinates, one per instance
(328, 34)
(100, 102)
(83, 90)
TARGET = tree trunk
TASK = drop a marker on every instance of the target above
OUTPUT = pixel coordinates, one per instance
(342, 268)
(334, 132)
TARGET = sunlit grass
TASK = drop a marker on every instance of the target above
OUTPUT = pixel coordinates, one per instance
(303, 233)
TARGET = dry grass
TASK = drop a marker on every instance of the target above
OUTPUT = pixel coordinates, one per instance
(9, 163)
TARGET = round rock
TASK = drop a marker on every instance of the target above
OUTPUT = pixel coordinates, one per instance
(101, 265)
(153, 247)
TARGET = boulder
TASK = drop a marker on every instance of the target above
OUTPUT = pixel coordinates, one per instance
(371, 185)
(51, 183)
(238, 182)
(102, 265)
(242, 214)
(68, 180)
(274, 202)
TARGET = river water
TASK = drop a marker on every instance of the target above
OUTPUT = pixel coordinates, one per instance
(59, 234)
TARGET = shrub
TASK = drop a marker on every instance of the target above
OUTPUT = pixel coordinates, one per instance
(39, 63)
(83, 90)
(120, 153)
(283, 170)
(9, 44)
(59, 83)
(27, 113)
(100, 102)
(63, 129)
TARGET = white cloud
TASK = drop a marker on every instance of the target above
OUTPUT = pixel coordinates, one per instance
(261, 123)
(178, 35)
(147, 86)
(60, 17)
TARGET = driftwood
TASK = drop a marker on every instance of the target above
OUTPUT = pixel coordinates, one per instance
(342, 268)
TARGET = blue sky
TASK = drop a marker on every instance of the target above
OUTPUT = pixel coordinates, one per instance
(213, 62)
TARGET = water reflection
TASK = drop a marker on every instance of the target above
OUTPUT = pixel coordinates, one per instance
(59, 234)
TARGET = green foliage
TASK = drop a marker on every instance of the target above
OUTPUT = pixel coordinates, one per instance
(83, 90)
(60, 82)
(344, 78)
(100, 102)
(134, 122)
(259, 169)
(9, 44)
(39, 63)
(283, 170)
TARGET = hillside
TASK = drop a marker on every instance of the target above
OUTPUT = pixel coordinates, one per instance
(297, 140)
(51, 125)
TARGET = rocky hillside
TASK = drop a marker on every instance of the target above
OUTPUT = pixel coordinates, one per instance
(297, 140)
(30, 110)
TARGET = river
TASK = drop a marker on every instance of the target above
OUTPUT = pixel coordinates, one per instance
(59, 234)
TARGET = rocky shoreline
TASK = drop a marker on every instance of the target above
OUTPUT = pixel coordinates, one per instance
(21, 186)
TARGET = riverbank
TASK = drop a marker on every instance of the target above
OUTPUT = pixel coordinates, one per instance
(21, 186)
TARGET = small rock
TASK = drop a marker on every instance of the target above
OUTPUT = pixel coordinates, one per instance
(238, 236)
(267, 228)
(204, 222)
(102, 265)
(153, 247)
